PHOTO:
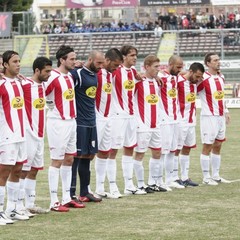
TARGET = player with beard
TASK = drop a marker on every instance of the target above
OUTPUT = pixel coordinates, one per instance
(61, 128)
(169, 123)
(187, 92)
(87, 145)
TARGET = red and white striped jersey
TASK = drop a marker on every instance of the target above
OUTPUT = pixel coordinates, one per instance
(12, 113)
(104, 93)
(147, 104)
(168, 98)
(187, 93)
(60, 90)
(34, 98)
(123, 91)
(211, 93)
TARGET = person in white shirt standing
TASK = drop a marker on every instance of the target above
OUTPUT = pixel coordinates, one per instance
(12, 138)
(148, 130)
(169, 122)
(113, 58)
(187, 93)
(35, 103)
(61, 129)
(214, 116)
(124, 134)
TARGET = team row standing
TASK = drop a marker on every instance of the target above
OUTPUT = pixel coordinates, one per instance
(62, 111)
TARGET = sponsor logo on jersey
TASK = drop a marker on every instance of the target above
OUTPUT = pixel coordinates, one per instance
(107, 88)
(69, 94)
(129, 85)
(91, 92)
(191, 98)
(152, 99)
(172, 93)
(218, 95)
(39, 103)
(17, 103)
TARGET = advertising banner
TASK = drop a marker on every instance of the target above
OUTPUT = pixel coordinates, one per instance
(225, 2)
(100, 3)
(5, 24)
(172, 2)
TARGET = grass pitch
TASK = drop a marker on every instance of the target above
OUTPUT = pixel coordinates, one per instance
(204, 212)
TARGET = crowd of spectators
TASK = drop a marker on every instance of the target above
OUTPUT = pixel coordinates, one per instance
(165, 22)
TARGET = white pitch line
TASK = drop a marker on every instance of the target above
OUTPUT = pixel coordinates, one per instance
(236, 180)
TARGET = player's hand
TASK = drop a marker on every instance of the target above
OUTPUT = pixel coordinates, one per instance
(20, 77)
(228, 118)
(79, 64)
(159, 80)
(139, 77)
(50, 104)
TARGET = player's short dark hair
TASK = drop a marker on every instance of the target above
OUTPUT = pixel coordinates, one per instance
(196, 66)
(8, 55)
(125, 50)
(62, 52)
(208, 56)
(41, 63)
(113, 54)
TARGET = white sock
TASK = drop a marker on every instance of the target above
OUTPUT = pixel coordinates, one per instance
(2, 195)
(216, 163)
(21, 195)
(175, 168)
(53, 178)
(127, 167)
(12, 195)
(184, 164)
(169, 164)
(30, 192)
(139, 172)
(66, 175)
(100, 168)
(153, 171)
(205, 163)
(112, 174)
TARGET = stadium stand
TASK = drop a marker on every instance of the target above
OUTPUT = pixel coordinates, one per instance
(84, 43)
(198, 44)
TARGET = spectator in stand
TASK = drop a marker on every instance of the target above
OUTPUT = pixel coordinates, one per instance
(158, 30)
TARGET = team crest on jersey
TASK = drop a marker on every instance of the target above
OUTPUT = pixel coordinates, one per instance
(107, 88)
(218, 95)
(152, 99)
(17, 103)
(172, 93)
(191, 98)
(39, 103)
(91, 92)
(129, 85)
(69, 94)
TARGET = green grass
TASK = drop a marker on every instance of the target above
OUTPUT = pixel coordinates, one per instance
(204, 212)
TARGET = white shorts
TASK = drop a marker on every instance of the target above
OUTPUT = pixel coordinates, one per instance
(147, 140)
(13, 153)
(169, 134)
(35, 152)
(104, 133)
(124, 132)
(212, 128)
(61, 137)
(187, 137)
